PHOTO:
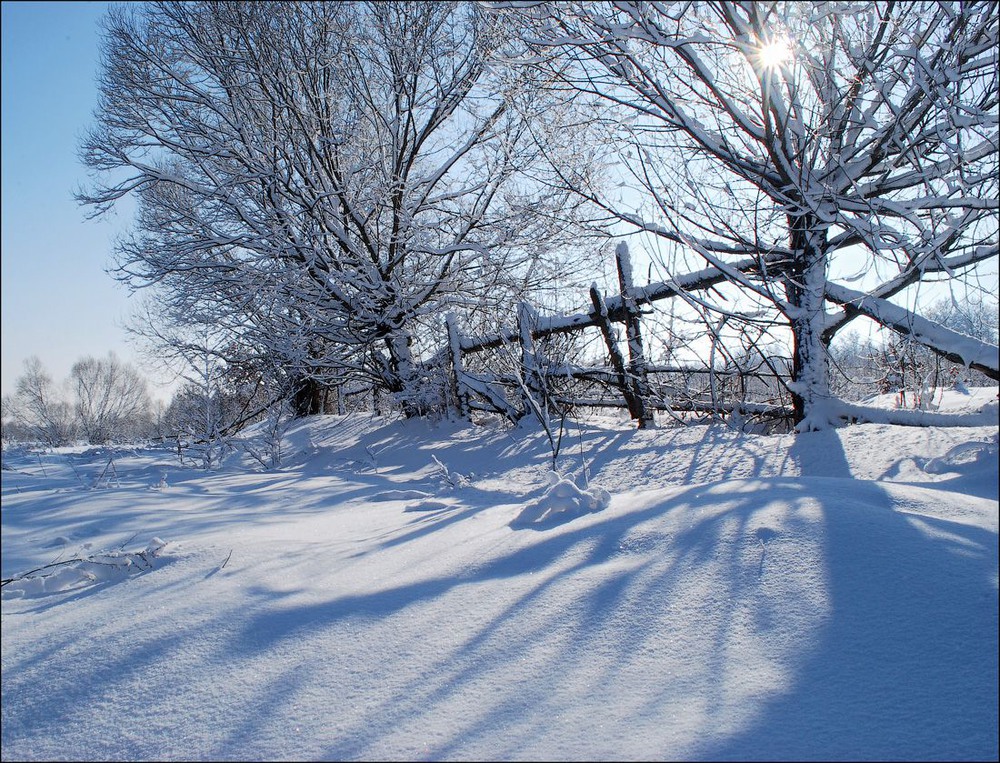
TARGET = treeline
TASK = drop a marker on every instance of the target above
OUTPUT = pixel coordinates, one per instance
(863, 367)
(106, 401)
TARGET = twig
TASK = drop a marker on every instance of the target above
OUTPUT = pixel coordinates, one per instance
(79, 477)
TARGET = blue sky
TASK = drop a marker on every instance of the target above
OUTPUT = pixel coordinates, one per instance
(57, 300)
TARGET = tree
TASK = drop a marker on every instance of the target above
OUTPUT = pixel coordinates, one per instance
(111, 400)
(195, 419)
(40, 409)
(782, 142)
(319, 179)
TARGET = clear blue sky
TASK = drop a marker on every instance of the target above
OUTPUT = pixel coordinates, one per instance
(57, 300)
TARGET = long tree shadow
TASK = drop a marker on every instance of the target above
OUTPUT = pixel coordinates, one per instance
(881, 682)
(873, 677)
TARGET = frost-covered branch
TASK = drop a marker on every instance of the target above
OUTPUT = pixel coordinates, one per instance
(318, 180)
(951, 345)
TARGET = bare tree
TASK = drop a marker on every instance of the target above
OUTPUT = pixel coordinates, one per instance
(321, 178)
(797, 148)
(111, 400)
(40, 408)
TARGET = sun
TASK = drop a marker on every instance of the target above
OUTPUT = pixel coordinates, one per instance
(774, 52)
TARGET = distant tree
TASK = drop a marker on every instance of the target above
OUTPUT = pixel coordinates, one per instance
(856, 372)
(921, 370)
(977, 318)
(194, 419)
(895, 363)
(13, 429)
(191, 349)
(111, 400)
(41, 409)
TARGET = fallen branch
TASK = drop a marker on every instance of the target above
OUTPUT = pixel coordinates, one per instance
(139, 560)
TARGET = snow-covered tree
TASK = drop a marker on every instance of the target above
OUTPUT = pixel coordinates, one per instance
(111, 400)
(321, 178)
(41, 409)
(822, 156)
(194, 420)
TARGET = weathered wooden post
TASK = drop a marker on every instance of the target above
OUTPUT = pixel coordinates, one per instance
(635, 408)
(636, 358)
(527, 321)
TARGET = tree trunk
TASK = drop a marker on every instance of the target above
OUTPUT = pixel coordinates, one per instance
(805, 287)
(527, 322)
(400, 378)
(308, 398)
(459, 391)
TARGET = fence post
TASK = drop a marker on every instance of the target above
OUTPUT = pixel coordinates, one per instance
(635, 408)
(534, 389)
(636, 357)
(527, 321)
(457, 372)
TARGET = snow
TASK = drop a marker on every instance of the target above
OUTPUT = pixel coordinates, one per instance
(414, 590)
(562, 501)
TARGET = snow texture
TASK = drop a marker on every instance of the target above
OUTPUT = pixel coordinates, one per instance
(407, 590)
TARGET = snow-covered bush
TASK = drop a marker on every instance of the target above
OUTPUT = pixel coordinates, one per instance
(562, 501)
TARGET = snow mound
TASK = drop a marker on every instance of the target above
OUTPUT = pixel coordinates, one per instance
(562, 501)
(966, 454)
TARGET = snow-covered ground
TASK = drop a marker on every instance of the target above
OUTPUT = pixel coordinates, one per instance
(413, 590)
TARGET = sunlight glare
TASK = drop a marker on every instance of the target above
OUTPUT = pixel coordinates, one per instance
(774, 52)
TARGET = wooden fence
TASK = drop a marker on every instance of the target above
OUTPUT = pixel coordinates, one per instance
(630, 375)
